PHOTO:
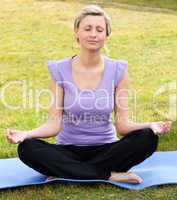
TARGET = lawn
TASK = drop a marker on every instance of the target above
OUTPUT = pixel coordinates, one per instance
(165, 4)
(33, 32)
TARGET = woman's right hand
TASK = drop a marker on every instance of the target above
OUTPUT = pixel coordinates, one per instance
(16, 136)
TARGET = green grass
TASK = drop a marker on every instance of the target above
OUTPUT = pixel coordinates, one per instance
(33, 32)
(164, 4)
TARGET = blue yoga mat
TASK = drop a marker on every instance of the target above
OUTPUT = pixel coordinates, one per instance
(158, 169)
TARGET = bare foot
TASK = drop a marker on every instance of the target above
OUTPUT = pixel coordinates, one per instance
(49, 178)
(125, 177)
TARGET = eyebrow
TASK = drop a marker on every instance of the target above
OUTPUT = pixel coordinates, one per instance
(96, 26)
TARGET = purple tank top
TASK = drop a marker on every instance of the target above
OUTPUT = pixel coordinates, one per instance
(87, 117)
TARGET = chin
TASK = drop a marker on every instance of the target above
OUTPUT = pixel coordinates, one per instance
(93, 47)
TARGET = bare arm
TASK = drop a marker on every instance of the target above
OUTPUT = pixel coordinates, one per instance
(122, 122)
(54, 122)
(52, 126)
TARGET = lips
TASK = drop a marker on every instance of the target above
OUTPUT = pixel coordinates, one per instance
(92, 41)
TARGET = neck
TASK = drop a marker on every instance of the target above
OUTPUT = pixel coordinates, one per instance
(90, 59)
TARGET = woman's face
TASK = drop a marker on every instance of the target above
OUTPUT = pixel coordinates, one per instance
(92, 32)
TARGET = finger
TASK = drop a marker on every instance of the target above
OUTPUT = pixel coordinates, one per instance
(168, 126)
(163, 127)
(10, 139)
(7, 131)
(7, 136)
(11, 131)
(13, 141)
(18, 141)
(160, 130)
(169, 123)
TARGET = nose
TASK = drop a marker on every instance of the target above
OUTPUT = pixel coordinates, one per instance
(93, 33)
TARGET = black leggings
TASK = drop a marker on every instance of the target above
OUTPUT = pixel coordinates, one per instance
(88, 162)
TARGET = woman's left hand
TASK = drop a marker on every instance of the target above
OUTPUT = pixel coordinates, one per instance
(160, 128)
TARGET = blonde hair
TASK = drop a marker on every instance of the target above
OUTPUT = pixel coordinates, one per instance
(94, 10)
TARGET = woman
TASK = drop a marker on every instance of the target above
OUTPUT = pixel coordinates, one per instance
(87, 88)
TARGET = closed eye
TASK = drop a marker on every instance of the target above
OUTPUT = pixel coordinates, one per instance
(97, 30)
